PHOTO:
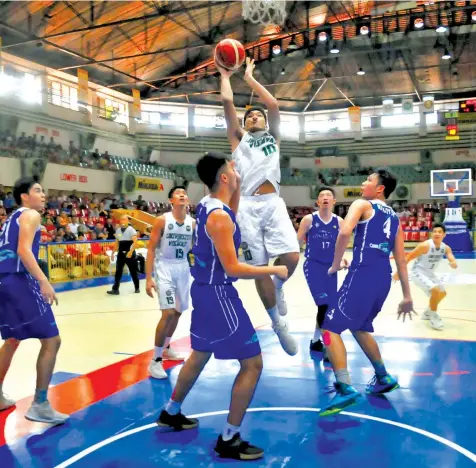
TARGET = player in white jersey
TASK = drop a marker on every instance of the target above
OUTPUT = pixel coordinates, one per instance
(427, 256)
(168, 273)
(266, 229)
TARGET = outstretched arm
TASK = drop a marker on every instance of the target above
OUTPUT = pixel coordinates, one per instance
(234, 131)
(266, 97)
(419, 250)
(220, 228)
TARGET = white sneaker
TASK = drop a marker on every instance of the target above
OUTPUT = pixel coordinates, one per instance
(43, 412)
(156, 370)
(6, 402)
(426, 315)
(172, 355)
(436, 322)
(281, 302)
(288, 343)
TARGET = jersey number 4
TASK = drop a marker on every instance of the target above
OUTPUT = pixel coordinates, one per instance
(386, 227)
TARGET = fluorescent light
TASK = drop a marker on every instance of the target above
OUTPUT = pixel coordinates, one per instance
(441, 29)
(361, 72)
(335, 49)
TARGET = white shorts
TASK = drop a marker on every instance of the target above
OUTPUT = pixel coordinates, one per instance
(266, 229)
(173, 281)
(426, 281)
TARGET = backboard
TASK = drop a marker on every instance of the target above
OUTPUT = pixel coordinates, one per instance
(451, 183)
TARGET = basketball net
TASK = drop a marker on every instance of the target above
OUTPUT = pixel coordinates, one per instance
(264, 11)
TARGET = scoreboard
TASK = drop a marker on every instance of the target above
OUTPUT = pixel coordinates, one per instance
(467, 111)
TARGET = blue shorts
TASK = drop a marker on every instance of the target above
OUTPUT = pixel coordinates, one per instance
(220, 324)
(358, 301)
(323, 287)
(23, 312)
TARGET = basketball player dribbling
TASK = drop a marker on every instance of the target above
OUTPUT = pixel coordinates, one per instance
(365, 288)
(267, 231)
(220, 324)
(427, 256)
(168, 273)
(320, 230)
(26, 299)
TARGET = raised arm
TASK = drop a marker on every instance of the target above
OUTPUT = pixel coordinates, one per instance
(233, 129)
(154, 241)
(267, 99)
(220, 228)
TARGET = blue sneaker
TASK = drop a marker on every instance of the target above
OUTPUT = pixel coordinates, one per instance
(382, 384)
(346, 396)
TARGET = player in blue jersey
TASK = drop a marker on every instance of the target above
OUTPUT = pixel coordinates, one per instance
(220, 324)
(26, 298)
(366, 287)
(320, 230)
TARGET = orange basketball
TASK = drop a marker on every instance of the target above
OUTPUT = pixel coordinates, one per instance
(229, 54)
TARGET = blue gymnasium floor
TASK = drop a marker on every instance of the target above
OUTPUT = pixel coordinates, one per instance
(429, 422)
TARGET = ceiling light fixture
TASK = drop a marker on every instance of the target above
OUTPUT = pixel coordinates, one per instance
(322, 36)
(335, 49)
(418, 23)
(361, 72)
(441, 29)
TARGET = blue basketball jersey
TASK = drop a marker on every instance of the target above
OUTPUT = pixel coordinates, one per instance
(375, 238)
(207, 268)
(321, 239)
(9, 260)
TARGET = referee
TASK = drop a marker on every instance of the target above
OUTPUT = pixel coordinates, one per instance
(126, 241)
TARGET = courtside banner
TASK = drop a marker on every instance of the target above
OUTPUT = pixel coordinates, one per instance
(134, 183)
(352, 192)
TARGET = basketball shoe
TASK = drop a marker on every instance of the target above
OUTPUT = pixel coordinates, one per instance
(382, 384)
(434, 318)
(288, 343)
(346, 396)
(177, 421)
(45, 413)
(237, 449)
(6, 402)
(172, 355)
(156, 369)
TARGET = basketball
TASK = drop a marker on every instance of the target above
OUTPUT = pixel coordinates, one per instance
(229, 54)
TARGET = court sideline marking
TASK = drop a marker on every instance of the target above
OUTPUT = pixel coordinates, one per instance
(417, 430)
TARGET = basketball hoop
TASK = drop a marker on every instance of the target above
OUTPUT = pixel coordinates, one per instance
(451, 194)
(264, 11)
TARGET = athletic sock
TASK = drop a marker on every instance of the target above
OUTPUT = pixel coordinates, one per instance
(343, 376)
(158, 352)
(379, 367)
(229, 431)
(173, 407)
(274, 315)
(278, 282)
(40, 396)
(167, 342)
(317, 335)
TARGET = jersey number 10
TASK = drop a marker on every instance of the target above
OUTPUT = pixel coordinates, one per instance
(269, 149)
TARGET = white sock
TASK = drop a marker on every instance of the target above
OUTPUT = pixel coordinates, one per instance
(278, 282)
(229, 431)
(317, 335)
(158, 351)
(167, 341)
(173, 407)
(274, 314)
